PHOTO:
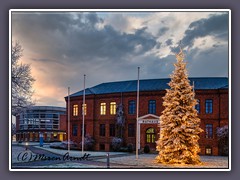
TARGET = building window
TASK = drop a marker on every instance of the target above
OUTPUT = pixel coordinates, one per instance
(102, 147)
(112, 130)
(131, 107)
(74, 130)
(85, 130)
(209, 131)
(152, 107)
(197, 107)
(103, 109)
(49, 136)
(131, 130)
(208, 151)
(150, 135)
(102, 130)
(209, 106)
(84, 109)
(113, 108)
(75, 110)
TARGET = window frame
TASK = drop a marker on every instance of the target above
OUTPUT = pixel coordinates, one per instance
(112, 130)
(103, 108)
(74, 130)
(152, 106)
(113, 107)
(75, 110)
(206, 151)
(132, 107)
(208, 106)
(209, 131)
(102, 130)
(150, 136)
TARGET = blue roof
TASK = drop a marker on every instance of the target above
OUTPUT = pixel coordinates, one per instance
(152, 85)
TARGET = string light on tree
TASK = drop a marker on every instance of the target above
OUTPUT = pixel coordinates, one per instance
(179, 122)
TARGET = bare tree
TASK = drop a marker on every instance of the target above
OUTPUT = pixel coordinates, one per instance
(22, 81)
(13, 129)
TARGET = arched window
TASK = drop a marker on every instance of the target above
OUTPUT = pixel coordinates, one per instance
(150, 135)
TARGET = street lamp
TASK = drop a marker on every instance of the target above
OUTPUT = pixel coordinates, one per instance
(26, 146)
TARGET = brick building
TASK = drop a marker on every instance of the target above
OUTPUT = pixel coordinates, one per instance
(50, 121)
(103, 99)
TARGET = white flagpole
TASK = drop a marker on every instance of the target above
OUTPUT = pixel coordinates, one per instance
(137, 128)
(68, 119)
(83, 114)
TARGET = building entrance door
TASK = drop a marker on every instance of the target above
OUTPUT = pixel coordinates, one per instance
(61, 137)
(151, 137)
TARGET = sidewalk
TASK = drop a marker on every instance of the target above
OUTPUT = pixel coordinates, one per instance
(149, 161)
(122, 160)
(75, 153)
(143, 161)
(16, 150)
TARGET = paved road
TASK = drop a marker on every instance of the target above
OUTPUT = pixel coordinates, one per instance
(49, 159)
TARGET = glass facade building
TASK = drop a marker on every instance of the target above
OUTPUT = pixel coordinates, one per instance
(41, 119)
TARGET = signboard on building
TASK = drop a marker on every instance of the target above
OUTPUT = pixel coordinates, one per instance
(149, 121)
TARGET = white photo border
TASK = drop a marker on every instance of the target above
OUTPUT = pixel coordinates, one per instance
(119, 10)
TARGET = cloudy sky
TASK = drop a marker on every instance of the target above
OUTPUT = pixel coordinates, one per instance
(109, 46)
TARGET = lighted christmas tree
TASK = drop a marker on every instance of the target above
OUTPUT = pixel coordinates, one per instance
(179, 122)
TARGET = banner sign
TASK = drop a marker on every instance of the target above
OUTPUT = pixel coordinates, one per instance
(149, 121)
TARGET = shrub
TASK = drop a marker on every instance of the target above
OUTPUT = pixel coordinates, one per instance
(223, 135)
(123, 149)
(116, 143)
(63, 145)
(146, 149)
(130, 147)
(88, 143)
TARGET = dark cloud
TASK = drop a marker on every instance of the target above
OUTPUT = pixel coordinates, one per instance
(158, 68)
(48, 60)
(79, 38)
(210, 63)
(162, 31)
(93, 19)
(169, 42)
(109, 43)
(217, 45)
(158, 45)
(118, 21)
(43, 60)
(215, 25)
(66, 46)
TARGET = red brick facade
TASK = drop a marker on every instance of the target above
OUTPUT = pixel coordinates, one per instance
(93, 119)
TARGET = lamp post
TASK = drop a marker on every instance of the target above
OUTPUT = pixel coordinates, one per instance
(68, 119)
(83, 114)
(26, 146)
(108, 160)
(137, 125)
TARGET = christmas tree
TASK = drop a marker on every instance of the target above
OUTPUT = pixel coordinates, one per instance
(179, 122)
